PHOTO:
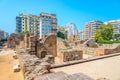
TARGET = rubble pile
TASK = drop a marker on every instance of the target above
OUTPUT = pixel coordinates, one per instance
(91, 43)
(31, 65)
(28, 62)
(38, 71)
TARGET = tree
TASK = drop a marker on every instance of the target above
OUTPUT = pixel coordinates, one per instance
(25, 32)
(98, 36)
(105, 32)
(61, 35)
(116, 36)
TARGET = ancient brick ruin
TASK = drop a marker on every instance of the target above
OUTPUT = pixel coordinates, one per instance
(47, 46)
(31, 65)
(14, 40)
(70, 55)
(33, 53)
(65, 52)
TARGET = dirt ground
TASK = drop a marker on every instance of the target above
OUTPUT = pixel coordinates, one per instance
(6, 66)
(103, 68)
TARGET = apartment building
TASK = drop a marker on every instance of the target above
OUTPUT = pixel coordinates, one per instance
(90, 28)
(116, 25)
(27, 22)
(3, 34)
(81, 34)
(71, 30)
(48, 24)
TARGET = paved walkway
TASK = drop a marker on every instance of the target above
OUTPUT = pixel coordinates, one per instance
(6, 66)
(107, 67)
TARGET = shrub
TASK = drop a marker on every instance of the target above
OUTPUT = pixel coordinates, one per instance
(108, 42)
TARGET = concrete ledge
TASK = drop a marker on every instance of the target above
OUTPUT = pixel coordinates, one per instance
(83, 60)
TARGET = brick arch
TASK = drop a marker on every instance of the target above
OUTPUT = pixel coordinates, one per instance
(50, 42)
(50, 39)
(40, 55)
(43, 54)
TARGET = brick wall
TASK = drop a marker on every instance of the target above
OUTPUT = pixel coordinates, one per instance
(70, 55)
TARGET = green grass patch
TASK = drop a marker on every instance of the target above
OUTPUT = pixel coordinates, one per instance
(108, 42)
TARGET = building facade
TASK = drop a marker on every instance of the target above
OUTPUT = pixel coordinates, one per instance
(116, 25)
(91, 27)
(27, 22)
(3, 34)
(48, 24)
(6, 35)
(71, 30)
(81, 35)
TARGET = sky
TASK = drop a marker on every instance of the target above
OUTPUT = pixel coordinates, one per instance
(78, 12)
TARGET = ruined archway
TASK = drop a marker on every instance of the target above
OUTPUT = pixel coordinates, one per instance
(50, 43)
(43, 54)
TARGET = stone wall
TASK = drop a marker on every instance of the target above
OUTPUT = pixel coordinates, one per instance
(105, 51)
(31, 42)
(70, 55)
(26, 40)
(22, 44)
(62, 44)
(51, 42)
(14, 40)
(101, 51)
(91, 43)
(74, 38)
(117, 49)
(31, 65)
(48, 46)
(32, 45)
(28, 62)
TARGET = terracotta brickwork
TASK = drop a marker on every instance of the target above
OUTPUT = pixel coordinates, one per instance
(48, 46)
(14, 40)
(74, 38)
(26, 40)
(104, 51)
(70, 55)
(30, 43)
(61, 49)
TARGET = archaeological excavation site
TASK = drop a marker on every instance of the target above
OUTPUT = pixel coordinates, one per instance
(37, 57)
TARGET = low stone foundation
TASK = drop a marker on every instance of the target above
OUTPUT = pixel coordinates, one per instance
(31, 65)
(28, 63)
(70, 55)
(104, 51)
